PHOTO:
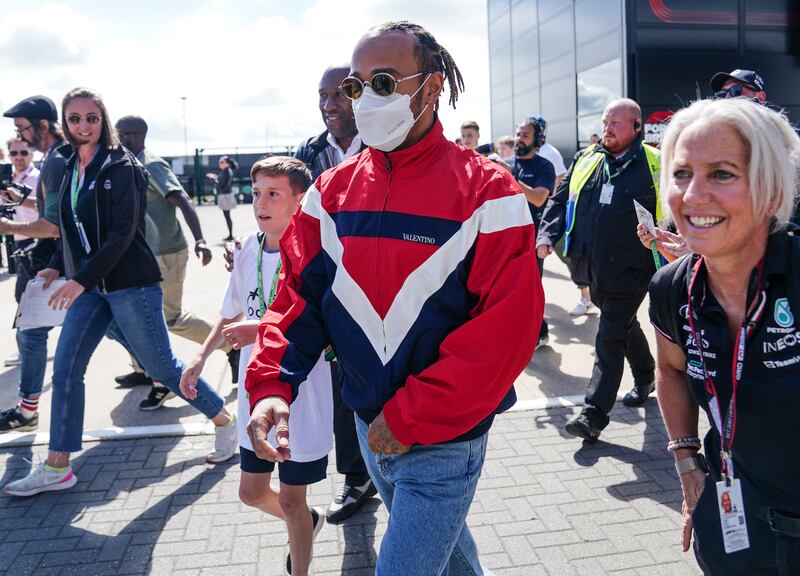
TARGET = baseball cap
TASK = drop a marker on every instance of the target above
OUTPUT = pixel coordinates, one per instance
(35, 108)
(744, 76)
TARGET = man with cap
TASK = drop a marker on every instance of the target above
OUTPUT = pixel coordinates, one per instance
(739, 83)
(36, 122)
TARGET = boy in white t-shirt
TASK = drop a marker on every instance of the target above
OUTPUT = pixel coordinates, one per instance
(278, 186)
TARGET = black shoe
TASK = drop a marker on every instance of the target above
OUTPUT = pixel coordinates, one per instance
(317, 520)
(233, 362)
(638, 395)
(582, 427)
(156, 398)
(349, 500)
(133, 379)
(544, 340)
(13, 421)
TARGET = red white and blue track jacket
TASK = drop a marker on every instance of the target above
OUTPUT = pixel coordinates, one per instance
(419, 266)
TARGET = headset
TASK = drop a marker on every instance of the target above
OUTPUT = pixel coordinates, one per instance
(541, 130)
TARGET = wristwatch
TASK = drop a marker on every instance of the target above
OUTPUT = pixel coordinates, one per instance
(690, 464)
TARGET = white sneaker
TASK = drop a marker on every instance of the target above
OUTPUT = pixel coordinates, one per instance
(225, 442)
(41, 480)
(12, 360)
(581, 308)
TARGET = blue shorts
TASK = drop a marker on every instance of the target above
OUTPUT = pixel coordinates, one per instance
(289, 472)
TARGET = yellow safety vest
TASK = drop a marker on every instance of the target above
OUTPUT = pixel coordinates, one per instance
(584, 168)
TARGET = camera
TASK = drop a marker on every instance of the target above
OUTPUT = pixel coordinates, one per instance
(6, 175)
(7, 203)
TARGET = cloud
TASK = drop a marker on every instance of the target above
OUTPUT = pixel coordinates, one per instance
(249, 69)
(38, 38)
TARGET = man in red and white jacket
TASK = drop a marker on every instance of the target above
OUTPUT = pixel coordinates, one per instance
(414, 259)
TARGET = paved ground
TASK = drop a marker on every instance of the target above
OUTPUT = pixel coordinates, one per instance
(546, 504)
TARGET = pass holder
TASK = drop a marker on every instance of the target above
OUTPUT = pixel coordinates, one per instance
(731, 509)
(83, 236)
(606, 193)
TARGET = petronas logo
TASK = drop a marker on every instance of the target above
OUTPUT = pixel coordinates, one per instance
(783, 314)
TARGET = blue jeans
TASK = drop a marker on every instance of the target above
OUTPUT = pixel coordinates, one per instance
(428, 492)
(32, 345)
(138, 320)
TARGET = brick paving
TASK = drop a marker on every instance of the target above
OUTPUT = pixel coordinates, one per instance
(546, 505)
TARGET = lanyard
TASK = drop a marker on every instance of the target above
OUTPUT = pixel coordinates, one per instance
(727, 428)
(261, 305)
(619, 171)
(74, 195)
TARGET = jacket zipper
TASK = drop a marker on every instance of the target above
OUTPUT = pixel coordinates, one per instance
(378, 247)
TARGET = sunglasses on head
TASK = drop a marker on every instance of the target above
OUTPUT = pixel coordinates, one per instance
(75, 119)
(733, 92)
(382, 83)
(18, 152)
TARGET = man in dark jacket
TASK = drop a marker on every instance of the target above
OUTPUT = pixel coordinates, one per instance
(594, 208)
(338, 142)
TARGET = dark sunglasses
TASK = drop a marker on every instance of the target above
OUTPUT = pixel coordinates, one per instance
(18, 152)
(733, 92)
(382, 83)
(75, 119)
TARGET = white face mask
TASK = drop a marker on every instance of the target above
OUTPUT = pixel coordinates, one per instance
(384, 122)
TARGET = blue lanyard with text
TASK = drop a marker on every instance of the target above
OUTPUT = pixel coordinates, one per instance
(727, 428)
(262, 306)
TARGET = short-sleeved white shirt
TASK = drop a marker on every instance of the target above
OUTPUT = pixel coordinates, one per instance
(311, 415)
(550, 152)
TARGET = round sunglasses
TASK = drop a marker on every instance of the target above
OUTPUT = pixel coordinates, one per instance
(18, 152)
(75, 119)
(382, 83)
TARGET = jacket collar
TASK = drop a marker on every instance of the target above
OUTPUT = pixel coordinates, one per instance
(419, 156)
(779, 257)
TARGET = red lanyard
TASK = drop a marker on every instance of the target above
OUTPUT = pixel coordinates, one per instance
(727, 428)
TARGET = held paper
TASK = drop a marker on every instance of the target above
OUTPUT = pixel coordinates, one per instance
(33, 311)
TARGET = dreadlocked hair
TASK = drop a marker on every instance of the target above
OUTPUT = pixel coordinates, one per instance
(430, 55)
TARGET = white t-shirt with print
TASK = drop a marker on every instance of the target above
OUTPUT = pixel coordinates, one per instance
(311, 415)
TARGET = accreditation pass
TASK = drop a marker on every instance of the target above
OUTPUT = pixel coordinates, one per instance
(731, 516)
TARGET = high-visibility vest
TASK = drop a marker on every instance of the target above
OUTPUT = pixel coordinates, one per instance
(585, 166)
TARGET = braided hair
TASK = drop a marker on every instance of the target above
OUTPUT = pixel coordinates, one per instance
(430, 55)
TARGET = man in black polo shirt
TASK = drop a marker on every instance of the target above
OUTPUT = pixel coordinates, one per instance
(536, 177)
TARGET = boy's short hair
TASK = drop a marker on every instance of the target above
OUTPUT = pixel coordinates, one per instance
(470, 124)
(295, 170)
(506, 141)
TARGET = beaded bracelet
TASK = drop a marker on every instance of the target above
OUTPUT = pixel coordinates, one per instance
(684, 442)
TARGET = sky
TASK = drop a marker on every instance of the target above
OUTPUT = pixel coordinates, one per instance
(248, 69)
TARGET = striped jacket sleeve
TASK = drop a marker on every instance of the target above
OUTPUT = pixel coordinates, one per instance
(291, 336)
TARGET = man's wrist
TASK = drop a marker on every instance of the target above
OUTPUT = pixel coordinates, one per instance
(199, 241)
(691, 464)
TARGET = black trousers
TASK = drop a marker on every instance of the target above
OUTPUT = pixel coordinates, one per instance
(348, 454)
(544, 331)
(619, 336)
